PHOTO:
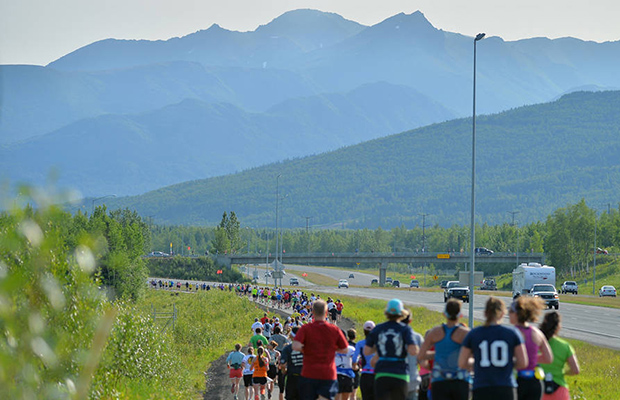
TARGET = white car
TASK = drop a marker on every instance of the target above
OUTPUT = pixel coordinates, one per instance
(343, 283)
(607, 290)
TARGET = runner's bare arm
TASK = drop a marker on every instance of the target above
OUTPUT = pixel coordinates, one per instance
(466, 361)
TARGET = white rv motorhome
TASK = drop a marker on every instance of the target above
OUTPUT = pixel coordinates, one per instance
(526, 275)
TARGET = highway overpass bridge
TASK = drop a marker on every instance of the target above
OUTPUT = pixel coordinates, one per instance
(383, 259)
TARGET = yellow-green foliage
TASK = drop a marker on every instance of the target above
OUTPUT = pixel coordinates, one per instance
(599, 375)
(208, 325)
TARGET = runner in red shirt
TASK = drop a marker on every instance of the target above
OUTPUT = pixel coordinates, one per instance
(319, 341)
(339, 307)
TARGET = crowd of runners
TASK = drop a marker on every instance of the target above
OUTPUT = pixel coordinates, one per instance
(307, 356)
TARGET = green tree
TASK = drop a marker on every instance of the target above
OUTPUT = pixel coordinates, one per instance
(233, 232)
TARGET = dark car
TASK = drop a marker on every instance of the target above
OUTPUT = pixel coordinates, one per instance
(374, 282)
(351, 276)
(396, 283)
(483, 250)
(489, 284)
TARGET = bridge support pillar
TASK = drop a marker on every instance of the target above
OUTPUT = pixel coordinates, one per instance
(382, 273)
(223, 261)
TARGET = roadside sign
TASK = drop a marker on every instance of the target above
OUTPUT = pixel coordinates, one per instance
(358, 264)
(435, 277)
(444, 256)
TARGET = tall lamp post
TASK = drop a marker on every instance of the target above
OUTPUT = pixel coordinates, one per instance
(517, 228)
(595, 250)
(100, 198)
(478, 37)
(277, 199)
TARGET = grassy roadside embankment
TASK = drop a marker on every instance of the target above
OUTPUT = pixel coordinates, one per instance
(208, 325)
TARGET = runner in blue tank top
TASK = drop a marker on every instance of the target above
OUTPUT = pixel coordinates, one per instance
(448, 381)
(493, 347)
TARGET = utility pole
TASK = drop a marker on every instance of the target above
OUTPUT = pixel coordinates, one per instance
(517, 228)
(423, 232)
(308, 235)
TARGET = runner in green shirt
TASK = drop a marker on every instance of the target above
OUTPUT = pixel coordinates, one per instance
(258, 336)
(556, 386)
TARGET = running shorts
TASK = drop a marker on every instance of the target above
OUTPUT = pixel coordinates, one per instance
(273, 371)
(235, 373)
(247, 380)
(345, 384)
(259, 380)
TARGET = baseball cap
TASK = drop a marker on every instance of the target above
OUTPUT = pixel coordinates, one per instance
(394, 307)
(277, 319)
(369, 326)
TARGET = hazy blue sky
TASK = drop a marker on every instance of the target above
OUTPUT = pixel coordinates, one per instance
(40, 31)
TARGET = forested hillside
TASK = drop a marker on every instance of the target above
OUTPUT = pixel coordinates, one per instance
(129, 116)
(534, 159)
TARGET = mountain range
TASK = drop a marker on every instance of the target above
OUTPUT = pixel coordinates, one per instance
(533, 159)
(130, 116)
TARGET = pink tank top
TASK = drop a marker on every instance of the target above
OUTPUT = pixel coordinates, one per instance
(530, 346)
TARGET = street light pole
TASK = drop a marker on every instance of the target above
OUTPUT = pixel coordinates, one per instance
(473, 195)
(594, 266)
(277, 199)
(517, 228)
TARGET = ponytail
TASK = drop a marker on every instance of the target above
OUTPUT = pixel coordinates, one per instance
(261, 363)
(550, 324)
(494, 309)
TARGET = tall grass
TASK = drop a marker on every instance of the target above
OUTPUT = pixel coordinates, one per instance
(208, 325)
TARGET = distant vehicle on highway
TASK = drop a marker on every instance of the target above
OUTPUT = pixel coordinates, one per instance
(414, 283)
(483, 250)
(293, 282)
(454, 289)
(569, 287)
(488, 284)
(607, 290)
(546, 292)
(396, 283)
(388, 280)
(351, 276)
(343, 283)
(374, 282)
(158, 254)
(601, 251)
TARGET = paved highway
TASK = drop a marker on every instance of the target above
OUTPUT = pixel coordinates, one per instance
(597, 325)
